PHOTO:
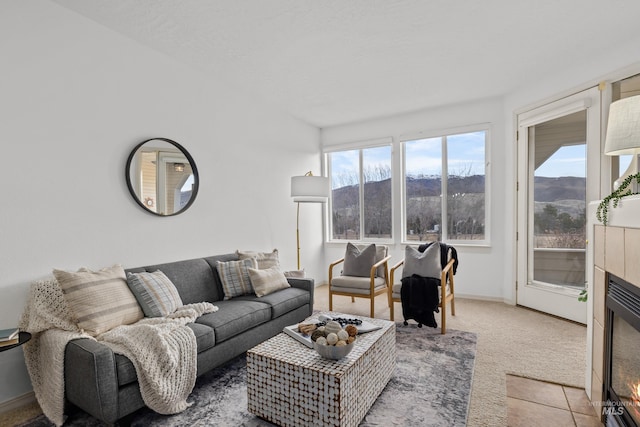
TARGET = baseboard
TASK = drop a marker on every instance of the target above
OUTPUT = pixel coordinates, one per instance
(480, 298)
(17, 402)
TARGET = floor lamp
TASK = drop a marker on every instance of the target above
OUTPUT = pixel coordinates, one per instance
(307, 189)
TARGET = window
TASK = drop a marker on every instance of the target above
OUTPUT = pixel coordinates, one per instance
(449, 208)
(360, 193)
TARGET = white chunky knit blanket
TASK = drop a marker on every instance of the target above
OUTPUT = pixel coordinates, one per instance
(163, 351)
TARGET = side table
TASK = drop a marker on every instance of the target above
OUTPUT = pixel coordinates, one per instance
(23, 338)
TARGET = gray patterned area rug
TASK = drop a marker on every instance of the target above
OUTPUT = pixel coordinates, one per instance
(430, 387)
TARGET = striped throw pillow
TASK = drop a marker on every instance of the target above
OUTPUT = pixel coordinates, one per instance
(99, 300)
(235, 277)
(155, 292)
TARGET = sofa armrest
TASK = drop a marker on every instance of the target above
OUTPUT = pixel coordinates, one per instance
(91, 378)
(307, 284)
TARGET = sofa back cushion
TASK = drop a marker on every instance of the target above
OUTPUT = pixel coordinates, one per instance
(194, 279)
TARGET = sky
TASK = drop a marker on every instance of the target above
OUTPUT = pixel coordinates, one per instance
(567, 161)
(465, 156)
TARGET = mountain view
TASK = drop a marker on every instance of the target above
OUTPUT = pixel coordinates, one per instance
(558, 208)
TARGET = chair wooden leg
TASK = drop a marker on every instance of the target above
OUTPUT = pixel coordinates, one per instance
(353, 299)
(373, 299)
(443, 322)
(391, 310)
(330, 300)
(453, 305)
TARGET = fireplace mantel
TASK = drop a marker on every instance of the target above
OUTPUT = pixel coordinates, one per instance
(627, 214)
(612, 249)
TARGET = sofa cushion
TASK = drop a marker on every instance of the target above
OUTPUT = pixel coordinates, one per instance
(155, 293)
(194, 279)
(99, 300)
(235, 277)
(268, 280)
(205, 339)
(283, 301)
(265, 259)
(235, 316)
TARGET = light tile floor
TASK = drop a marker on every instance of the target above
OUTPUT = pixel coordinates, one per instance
(539, 403)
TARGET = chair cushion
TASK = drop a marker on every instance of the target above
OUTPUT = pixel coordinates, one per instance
(359, 262)
(424, 264)
(355, 284)
(395, 294)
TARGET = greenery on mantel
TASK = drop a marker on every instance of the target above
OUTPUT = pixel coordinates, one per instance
(615, 196)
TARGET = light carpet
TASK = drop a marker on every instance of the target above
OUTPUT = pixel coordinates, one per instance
(430, 387)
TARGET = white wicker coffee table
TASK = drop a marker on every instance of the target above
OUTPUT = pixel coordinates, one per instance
(290, 384)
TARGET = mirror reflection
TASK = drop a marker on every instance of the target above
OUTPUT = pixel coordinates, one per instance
(162, 176)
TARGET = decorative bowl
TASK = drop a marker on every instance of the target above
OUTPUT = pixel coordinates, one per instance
(333, 352)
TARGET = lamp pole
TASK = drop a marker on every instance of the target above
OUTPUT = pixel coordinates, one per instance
(298, 232)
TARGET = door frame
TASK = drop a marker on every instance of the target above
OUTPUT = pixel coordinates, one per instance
(564, 302)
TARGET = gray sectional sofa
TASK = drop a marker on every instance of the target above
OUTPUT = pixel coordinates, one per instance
(105, 385)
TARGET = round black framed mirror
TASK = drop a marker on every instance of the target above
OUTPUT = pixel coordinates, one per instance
(162, 177)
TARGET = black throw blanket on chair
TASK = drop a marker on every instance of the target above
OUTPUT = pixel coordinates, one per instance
(419, 296)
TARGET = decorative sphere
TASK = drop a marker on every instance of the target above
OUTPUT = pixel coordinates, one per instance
(351, 330)
(332, 339)
(317, 334)
(342, 335)
(332, 327)
(321, 341)
(341, 343)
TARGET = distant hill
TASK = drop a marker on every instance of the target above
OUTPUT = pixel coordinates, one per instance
(567, 194)
(416, 187)
(562, 188)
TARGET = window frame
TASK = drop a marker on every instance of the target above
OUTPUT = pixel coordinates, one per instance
(360, 147)
(443, 134)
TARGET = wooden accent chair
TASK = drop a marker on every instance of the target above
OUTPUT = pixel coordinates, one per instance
(376, 283)
(445, 291)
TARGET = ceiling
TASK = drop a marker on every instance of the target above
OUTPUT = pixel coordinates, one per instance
(333, 62)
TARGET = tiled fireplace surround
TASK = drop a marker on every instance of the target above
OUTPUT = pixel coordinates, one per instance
(615, 250)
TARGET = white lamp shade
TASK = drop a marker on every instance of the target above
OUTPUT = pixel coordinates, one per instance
(623, 129)
(310, 189)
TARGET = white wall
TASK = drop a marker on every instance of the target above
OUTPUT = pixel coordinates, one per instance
(613, 64)
(481, 270)
(490, 272)
(75, 98)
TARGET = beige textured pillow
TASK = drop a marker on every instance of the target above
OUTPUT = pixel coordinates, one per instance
(99, 300)
(265, 259)
(295, 274)
(266, 281)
